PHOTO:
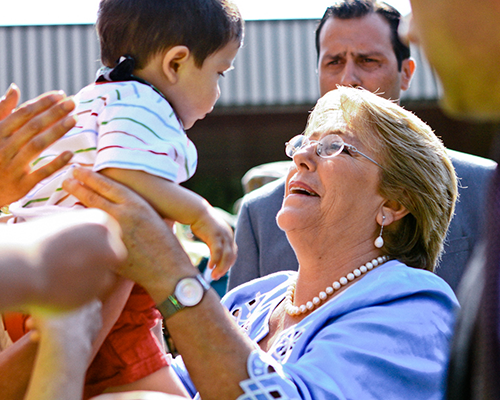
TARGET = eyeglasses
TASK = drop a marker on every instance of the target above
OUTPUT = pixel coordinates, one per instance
(328, 147)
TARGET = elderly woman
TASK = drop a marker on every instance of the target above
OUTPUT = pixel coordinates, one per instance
(366, 209)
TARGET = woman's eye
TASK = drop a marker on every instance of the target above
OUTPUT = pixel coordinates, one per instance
(329, 149)
(346, 151)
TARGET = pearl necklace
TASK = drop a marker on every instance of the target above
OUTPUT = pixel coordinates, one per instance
(323, 295)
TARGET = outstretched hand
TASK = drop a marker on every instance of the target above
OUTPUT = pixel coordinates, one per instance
(24, 134)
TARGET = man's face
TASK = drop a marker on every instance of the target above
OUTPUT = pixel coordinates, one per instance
(358, 52)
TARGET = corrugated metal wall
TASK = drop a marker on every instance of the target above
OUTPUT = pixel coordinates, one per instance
(276, 66)
(43, 58)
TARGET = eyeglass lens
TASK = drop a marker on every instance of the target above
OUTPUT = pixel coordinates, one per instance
(329, 146)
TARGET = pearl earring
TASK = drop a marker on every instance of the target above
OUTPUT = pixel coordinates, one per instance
(379, 241)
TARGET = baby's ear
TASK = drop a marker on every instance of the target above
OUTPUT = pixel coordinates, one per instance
(173, 61)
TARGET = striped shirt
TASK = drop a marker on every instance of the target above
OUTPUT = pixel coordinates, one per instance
(125, 125)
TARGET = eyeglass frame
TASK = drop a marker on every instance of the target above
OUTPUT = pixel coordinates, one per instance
(318, 143)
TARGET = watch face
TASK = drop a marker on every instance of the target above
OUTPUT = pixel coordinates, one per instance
(189, 292)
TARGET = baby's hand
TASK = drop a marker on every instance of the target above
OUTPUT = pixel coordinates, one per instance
(218, 236)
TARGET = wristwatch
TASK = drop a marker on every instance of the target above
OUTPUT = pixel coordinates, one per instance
(188, 292)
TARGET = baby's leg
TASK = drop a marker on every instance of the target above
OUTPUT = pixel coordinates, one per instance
(132, 357)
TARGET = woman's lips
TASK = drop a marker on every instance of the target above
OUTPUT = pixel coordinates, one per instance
(297, 187)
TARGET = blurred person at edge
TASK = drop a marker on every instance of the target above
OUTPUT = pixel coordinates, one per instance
(461, 41)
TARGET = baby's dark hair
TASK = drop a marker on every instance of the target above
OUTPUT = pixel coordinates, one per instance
(143, 28)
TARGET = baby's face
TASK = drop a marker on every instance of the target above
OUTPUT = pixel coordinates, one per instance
(198, 88)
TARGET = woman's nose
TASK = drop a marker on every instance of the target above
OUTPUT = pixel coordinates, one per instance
(305, 157)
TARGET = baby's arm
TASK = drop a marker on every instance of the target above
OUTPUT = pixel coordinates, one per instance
(177, 203)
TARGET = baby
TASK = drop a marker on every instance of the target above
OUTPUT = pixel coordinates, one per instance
(163, 60)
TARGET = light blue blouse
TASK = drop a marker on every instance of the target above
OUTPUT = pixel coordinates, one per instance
(387, 336)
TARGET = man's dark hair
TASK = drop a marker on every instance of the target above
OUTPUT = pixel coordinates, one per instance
(349, 9)
(143, 28)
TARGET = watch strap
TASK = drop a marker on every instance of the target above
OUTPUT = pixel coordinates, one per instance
(172, 305)
(169, 307)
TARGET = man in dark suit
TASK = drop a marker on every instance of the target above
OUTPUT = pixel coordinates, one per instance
(358, 45)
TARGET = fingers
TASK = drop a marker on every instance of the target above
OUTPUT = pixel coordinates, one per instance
(219, 237)
(9, 101)
(39, 131)
(214, 260)
(28, 111)
(41, 173)
(88, 197)
(97, 191)
(222, 254)
(34, 336)
(100, 190)
(18, 180)
(227, 260)
(24, 134)
(19, 146)
(218, 256)
(30, 141)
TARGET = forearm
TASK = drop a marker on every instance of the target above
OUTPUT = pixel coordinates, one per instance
(213, 348)
(169, 199)
(176, 203)
(64, 352)
(56, 376)
(16, 364)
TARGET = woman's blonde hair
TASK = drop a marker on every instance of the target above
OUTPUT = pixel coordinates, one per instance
(417, 172)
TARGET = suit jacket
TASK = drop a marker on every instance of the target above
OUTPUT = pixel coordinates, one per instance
(474, 366)
(263, 247)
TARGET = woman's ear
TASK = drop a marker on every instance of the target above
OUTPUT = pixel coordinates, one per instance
(173, 61)
(392, 210)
